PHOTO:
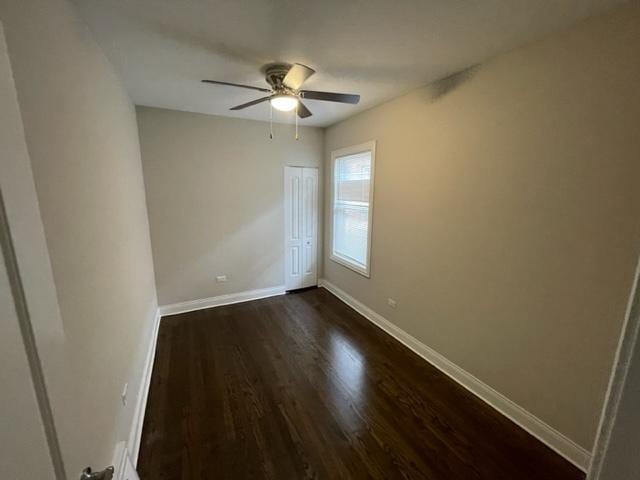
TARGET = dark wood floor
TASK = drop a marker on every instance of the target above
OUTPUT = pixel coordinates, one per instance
(301, 386)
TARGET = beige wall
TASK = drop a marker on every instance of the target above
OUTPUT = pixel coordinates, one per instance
(215, 195)
(507, 216)
(82, 140)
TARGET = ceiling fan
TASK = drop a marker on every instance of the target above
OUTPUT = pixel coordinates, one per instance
(285, 93)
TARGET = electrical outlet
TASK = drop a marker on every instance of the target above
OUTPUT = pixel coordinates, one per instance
(221, 278)
(123, 395)
(391, 302)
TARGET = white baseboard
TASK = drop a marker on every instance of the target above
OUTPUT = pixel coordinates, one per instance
(141, 405)
(220, 300)
(555, 440)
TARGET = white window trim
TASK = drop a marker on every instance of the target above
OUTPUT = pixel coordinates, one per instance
(363, 147)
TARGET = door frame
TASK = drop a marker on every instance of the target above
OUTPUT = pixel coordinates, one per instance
(7, 251)
(24, 248)
(627, 355)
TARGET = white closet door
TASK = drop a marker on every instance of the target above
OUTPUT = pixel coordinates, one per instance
(301, 227)
(309, 227)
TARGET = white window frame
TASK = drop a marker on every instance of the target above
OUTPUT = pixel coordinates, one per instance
(363, 147)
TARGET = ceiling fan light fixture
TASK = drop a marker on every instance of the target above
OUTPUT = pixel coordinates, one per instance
(284, 102)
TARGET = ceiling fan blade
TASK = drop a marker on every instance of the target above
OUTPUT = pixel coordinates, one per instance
(250, 87)
(297, 75)
(250, 104)
(331, 96)
(303, 111)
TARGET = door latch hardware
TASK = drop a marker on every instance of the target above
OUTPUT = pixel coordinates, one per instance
(106, 474)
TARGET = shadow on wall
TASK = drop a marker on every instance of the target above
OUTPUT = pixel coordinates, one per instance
(440, 88)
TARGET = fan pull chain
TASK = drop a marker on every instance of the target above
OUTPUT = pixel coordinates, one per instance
(270, 121)
(297, 138)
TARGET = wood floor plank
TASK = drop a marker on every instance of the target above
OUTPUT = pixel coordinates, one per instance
(301, 386)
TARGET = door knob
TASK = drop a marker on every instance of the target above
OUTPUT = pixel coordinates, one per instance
(106, 474)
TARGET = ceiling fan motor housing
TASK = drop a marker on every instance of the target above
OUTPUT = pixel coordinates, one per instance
(275, 73)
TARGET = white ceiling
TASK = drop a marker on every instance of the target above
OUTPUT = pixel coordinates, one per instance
(377, 48)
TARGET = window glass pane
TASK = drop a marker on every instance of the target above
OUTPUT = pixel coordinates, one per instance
(353, 175)
(351, 225)
(352, 181)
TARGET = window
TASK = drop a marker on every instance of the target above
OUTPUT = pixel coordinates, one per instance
(352, 206)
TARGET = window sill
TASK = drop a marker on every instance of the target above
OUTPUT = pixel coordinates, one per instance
(351, 266)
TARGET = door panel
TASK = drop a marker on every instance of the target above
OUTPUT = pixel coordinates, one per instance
(310, 222)
(293, 237)
(295, 207)
(295, 260)
(301, 227)
(24, 453)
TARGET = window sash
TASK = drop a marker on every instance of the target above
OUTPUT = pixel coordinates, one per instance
(351, 213)
(351, 232)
